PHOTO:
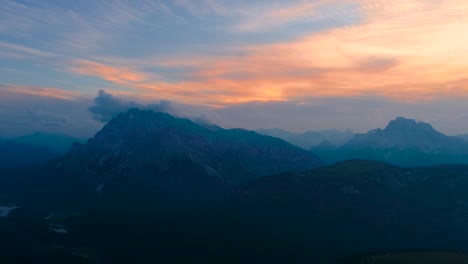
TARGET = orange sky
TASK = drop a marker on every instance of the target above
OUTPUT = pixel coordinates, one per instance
(403, 50)
(220, 53)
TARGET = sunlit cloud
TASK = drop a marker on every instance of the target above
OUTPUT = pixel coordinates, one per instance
(220, 54)
(119, 75)
(403, 50)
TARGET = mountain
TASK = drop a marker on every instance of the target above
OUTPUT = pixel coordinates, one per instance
(143, 156)
(318, 216)
(353, 207)
(59, 143)
(14, 154)
(310, 139)
(406, 133)
(403, 142)
(464, 137)
(153, 188)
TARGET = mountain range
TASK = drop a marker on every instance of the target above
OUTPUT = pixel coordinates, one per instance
(13, 154)
(311, 139)
(403, 142)
(150, 187)
(317, 216)
(59, 143)
(146, 156)
(34, 149)
(464, 137)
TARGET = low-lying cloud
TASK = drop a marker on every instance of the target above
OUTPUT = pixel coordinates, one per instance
(106, 106)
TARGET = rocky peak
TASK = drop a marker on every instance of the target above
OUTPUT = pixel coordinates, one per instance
(402, 124)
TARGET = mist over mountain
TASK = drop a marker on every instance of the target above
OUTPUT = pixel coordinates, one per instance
(403, 142)
(310, 139)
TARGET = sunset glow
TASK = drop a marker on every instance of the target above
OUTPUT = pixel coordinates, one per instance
(224, 53)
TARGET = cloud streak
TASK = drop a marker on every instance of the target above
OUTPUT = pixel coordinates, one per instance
(41, 91)
(119, 75)
(220, 54)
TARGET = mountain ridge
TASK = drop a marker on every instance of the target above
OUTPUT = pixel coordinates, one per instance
(310, 139)
(403, 142)
(59, 143)
(164, 156)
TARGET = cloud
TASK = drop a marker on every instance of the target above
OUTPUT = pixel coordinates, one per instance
(56, 121)
(22, 114)
(358, 114)
(41, 91)
(80, 28)
(281, 14)
(403, 50)
(119, 75)
(106, 106)
(24, 51)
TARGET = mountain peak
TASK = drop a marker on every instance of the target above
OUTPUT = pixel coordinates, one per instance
(407, 124)
(402, 136)
(163, 155)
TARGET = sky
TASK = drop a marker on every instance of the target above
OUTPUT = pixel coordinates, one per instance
(65, 66)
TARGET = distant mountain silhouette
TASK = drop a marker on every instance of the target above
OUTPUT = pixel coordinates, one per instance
(13, 154)
(403, 142)
(407, 133)
(59, 143)
(310, 139)
(150, 188)
(464, 137)
(148, 156)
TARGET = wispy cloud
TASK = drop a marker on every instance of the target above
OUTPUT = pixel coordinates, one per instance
(23, 51)
(82, 27)
(404, 50)
(270, 17)
(119, 75)
(41, 91)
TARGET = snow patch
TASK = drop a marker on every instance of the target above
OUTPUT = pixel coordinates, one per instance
(57, 228)
(6, 210)
(212, 172)
(49, 217)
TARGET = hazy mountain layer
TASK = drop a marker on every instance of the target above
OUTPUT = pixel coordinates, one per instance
(55, 142)
(310, 139)
(403, 142)
(14, 154)
(464, 137)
